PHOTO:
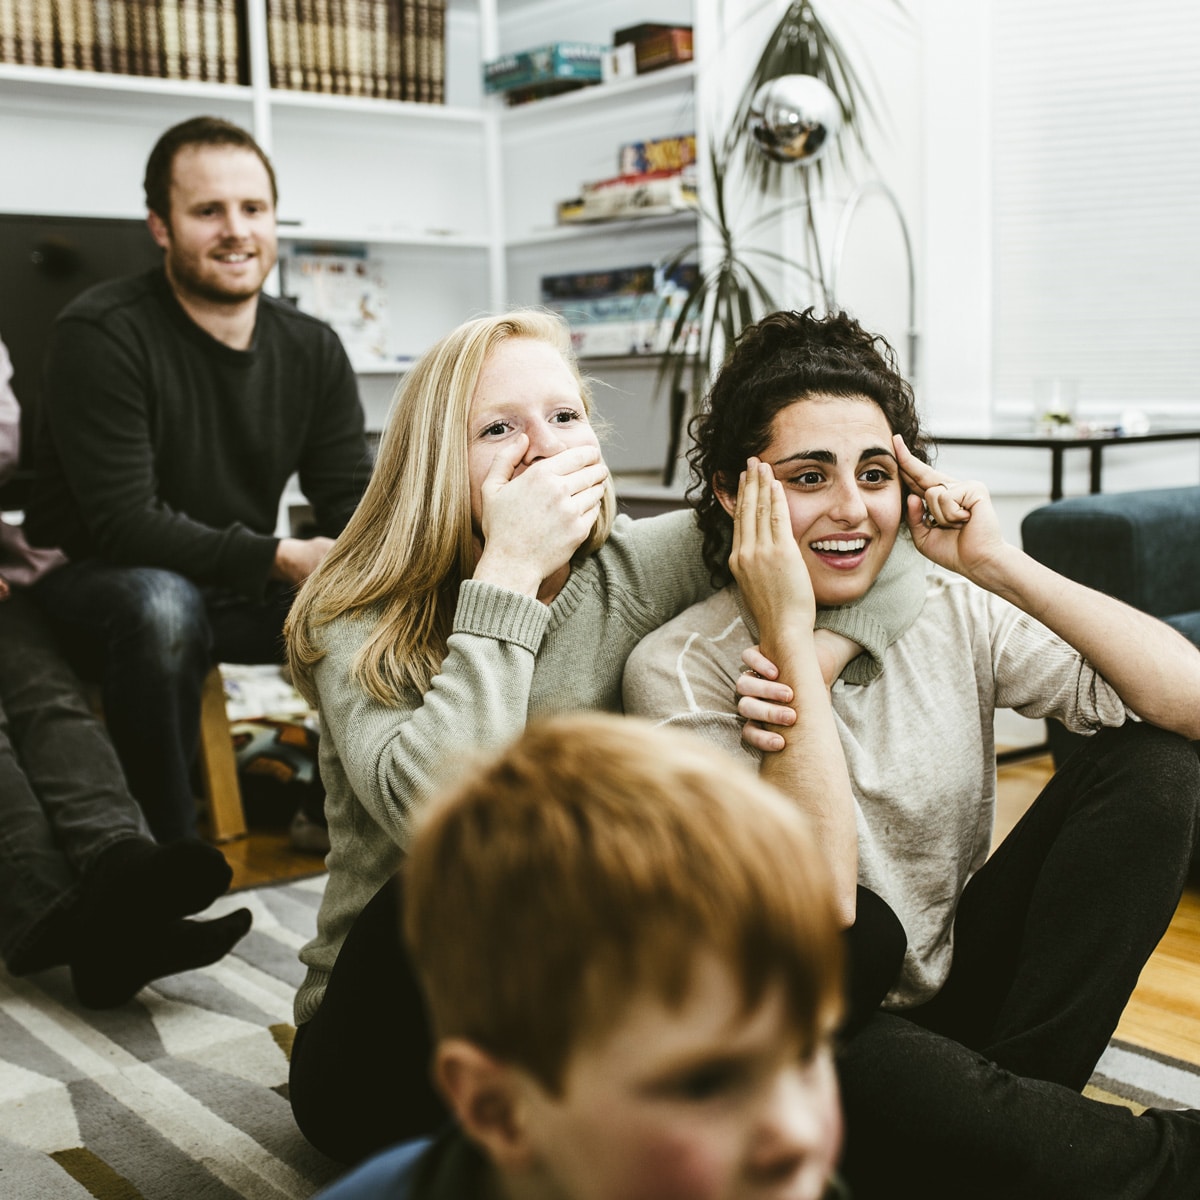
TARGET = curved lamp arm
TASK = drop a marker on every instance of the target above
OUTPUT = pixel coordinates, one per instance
(794, 119)
(839, 245)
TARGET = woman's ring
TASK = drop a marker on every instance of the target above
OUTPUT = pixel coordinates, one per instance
(930, 520)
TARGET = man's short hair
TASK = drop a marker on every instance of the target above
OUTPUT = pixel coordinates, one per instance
(198, 131)
(593, 860)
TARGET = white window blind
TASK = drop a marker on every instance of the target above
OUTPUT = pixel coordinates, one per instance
(1096, 190)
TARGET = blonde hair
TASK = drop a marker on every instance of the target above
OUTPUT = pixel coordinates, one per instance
(595, 857)
(409, 544)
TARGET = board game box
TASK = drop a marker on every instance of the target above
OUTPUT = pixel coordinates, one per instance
(581, 62)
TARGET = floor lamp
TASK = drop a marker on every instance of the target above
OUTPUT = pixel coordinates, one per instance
(793, 120)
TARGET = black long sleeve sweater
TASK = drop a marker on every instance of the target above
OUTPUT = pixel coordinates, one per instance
(160, 446)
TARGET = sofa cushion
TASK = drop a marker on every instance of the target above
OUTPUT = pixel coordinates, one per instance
(1188, 624)
(1142, 546)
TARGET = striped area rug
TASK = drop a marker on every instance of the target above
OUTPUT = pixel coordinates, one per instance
(182, 1094)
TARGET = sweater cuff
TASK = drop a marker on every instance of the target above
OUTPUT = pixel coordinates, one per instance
(495, 612)
(860, 627)
(246, 564)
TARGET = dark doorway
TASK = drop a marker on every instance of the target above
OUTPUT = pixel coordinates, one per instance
(44, 263)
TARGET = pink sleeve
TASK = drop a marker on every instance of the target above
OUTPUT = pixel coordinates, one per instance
(20, 563)
(10, 418)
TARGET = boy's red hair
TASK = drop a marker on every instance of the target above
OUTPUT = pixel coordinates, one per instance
(591, 860)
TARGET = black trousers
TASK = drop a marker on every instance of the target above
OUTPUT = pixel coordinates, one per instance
(149, 636)
(977, 1093)
(63, 798)
(360, 1077)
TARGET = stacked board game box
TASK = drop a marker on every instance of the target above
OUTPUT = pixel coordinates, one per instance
(545, 70)
(656, 46)
(622, 311)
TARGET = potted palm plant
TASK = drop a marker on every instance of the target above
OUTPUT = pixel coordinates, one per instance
(735, 284)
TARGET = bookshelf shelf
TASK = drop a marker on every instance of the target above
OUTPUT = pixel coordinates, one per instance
(636, 361)
(678, 79)
(30, 80)
(378, 237)
(670, 222)
(404, 110)
(454, 202)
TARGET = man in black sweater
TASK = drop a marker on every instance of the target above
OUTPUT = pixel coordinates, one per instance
(177, 405)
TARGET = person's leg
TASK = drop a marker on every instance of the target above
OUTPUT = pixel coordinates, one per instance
(63, 799)
(247, 631)
(360, 1069)
(925, 1116)
(1053, 931)
(36, 880)
(874, 947)
(151, 633)
(81, 881)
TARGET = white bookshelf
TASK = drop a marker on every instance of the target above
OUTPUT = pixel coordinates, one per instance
(456, 200)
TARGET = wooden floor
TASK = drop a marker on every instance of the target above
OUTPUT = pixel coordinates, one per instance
(1163, 1014)
(265, 857)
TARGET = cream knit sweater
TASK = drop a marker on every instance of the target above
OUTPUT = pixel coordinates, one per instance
(918, 741)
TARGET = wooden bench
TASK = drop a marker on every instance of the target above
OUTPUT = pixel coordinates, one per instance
(218, 764)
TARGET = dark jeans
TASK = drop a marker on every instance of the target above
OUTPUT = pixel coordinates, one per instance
(372, 1027)
(63, 798)
(149, 637)
(977, 1093)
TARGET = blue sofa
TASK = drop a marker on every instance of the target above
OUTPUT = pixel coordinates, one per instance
(1142, 547)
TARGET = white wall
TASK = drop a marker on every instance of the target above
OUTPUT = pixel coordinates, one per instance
(955, 89)
(961, 97)
(882, 41)
(956, 212)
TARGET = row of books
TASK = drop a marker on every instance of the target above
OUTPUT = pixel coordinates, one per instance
(621, 311)
(166, 39)
(388, 49)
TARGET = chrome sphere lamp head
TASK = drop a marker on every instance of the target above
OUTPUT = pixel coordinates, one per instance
(794, 119)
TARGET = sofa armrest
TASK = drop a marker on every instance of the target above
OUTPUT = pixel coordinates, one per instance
(1142, 547)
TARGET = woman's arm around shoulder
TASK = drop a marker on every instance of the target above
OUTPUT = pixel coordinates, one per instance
(661, 559)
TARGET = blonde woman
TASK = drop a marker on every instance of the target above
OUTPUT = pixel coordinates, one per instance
(484, 579)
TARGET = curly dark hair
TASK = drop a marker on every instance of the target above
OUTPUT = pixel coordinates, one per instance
(785, 357)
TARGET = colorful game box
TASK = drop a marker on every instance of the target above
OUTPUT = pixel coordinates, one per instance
(581, 62)
(658, 154)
